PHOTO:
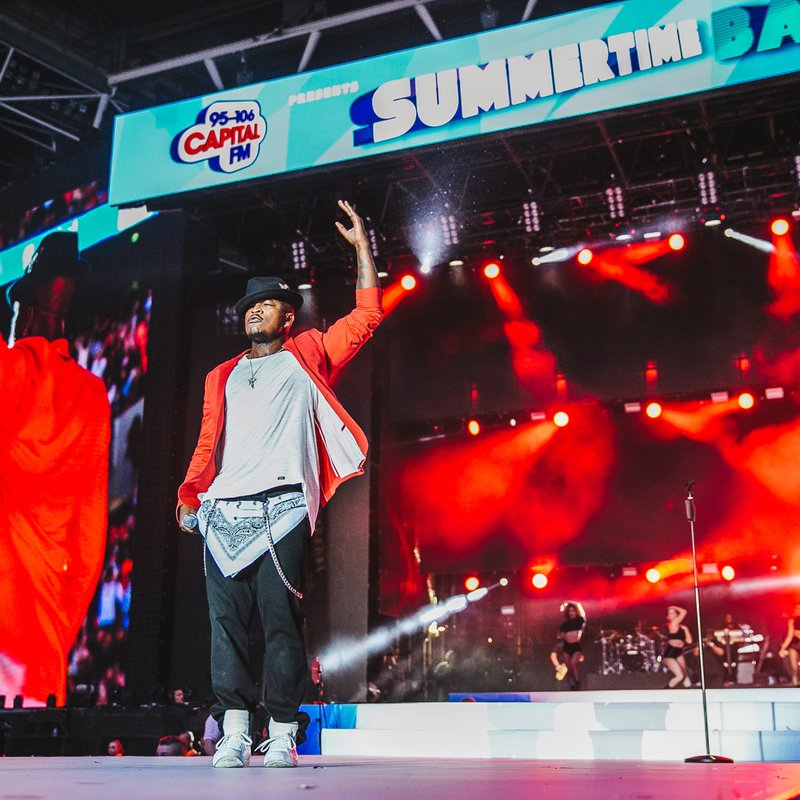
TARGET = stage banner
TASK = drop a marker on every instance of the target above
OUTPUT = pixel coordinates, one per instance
(583, 62)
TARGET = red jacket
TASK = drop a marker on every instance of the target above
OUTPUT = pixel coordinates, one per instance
(342, 444)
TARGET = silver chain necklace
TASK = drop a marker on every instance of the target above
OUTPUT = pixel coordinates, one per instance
(252, 379)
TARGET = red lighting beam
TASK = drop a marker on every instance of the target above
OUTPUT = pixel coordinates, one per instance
(392, 295)
(622, 266)
(783, 275)
(532, 364)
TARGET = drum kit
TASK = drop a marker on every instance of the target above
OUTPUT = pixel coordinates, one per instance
(629, 652)
(641, 652)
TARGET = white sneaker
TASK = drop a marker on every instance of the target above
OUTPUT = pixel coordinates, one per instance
(233, 749)
(280, 750)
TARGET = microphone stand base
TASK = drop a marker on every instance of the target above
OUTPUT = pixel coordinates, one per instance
(708, 759)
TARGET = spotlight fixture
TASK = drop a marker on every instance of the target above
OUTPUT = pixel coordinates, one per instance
(474, 427)
(531, 216)
(742, 364)
(651, 374)
(408, 282)
(539, 580)
(676, 241)
(561, 419)
(728, 572)
(746, 400)
(585, 256)
(779, 227)
(615, 202)
(299, 254)
(653, 410)
(449, 229)
(652, 575)
(372, 235)
(491, 270)
(471, 583)
(707, 187)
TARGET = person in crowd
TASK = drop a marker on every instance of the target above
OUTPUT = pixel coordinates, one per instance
(54, 439)
(274, 444)
(171, 746)
(566, 655)
(791, 644)
(678, 637)
(115, 748)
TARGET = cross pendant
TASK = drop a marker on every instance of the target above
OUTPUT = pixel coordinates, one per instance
(252, 382)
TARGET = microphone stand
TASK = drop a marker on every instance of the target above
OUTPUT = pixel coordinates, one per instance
(707, 758)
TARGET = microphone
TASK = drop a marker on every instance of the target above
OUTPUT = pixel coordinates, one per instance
(690, 514)
(189, 521)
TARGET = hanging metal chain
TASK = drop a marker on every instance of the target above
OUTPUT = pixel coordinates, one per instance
(274, 555)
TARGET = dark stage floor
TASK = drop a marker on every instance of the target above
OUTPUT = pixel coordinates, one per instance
(387, 779)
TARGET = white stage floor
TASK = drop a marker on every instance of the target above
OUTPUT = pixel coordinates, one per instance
(342, 778)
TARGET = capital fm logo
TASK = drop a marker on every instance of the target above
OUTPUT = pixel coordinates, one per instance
(227, 134)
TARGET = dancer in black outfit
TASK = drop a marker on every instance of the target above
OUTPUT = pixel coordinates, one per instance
(678, 636)
(566, 655)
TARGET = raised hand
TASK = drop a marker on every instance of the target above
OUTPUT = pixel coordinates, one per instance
(356, 235)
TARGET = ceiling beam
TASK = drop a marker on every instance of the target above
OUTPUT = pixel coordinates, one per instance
(216, 78)
(52, 54)
(308, 52)
(262, 40)
(430, 24)
(39, 121)
(529, 7)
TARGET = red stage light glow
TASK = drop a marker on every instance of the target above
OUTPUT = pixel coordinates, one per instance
(676, 241)
(539, 580)
(622, 265)
(491, 270)
(474, 427)
(585, 256)
(746, 400)
(780, 227)
(561, 419)
(728, 572)
(653, 575)
(408, 282)
(472, 583)
(653, 410)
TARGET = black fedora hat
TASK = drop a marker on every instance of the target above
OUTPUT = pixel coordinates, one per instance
(268, 287)
(55, 257)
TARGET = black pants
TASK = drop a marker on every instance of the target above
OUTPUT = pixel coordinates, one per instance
(232, 603)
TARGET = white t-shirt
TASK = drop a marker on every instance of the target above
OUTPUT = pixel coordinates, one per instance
(270, 432)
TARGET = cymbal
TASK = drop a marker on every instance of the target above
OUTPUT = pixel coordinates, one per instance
(609, 633)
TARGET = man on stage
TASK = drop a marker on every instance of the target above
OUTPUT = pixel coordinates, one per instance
(274, 444)
(54, 435)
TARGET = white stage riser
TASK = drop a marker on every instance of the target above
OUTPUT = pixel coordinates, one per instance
(573, 716)
(640, 725)
(567, 745)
